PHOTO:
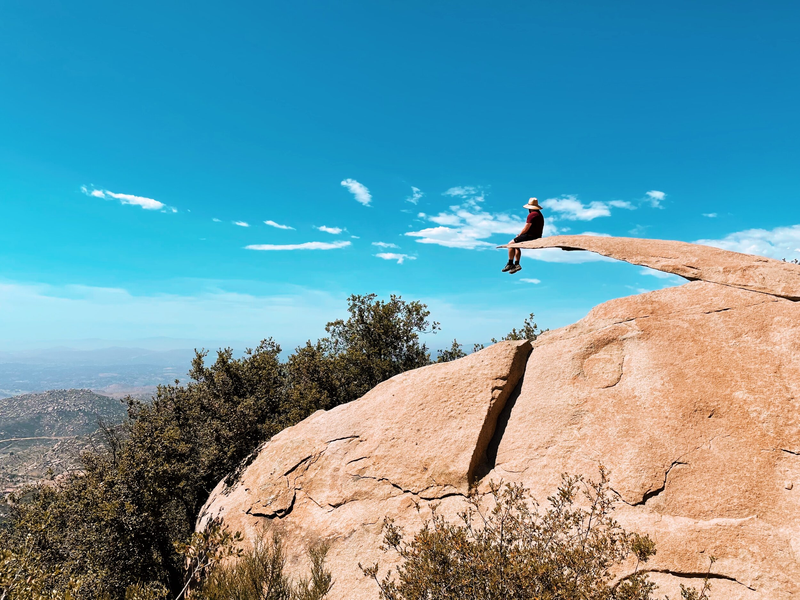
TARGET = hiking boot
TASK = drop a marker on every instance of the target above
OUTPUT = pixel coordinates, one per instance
(514, 269)
(508, 267)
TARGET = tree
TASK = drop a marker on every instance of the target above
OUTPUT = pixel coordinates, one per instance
(379, 340)
(529, 331)
(454, 352)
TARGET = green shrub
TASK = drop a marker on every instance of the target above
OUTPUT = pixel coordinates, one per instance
(258, 574)
(516, 551)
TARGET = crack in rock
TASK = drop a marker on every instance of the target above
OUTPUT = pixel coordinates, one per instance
(418, 494)
(649, 495)
(691, 575)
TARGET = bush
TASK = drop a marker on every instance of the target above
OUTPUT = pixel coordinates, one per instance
(516, 551)
(259, 575)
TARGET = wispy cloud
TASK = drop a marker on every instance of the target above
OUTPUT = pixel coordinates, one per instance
(463, 191)
(710, 215)
(333, 230)
(145, 203)
(303, 246)
(359, 190)
(393, 256)
(415, 196)
(655, 198)
(277, 225)
(385, 245)
(527, 280)
(216, 220)
(622, 204)
(780, 243)
(570, 208)
(242, 223)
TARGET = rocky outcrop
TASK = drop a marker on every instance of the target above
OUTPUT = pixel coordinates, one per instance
(689, 395)
(692, 261)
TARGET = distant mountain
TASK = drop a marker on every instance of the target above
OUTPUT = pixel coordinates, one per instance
(133, 370)
(57, 413)
(115, 355)
(45, 433)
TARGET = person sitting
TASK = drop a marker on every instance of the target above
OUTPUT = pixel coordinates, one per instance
(534, 225)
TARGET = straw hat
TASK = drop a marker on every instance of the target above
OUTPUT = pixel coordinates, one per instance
(533, 203)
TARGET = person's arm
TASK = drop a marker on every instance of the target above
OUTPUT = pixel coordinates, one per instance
(524, 229)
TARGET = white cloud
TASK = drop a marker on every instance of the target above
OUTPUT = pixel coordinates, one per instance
(779, 243)
(467, 225)
(145, 203)
(385, 245)
(416, 194)
(242, 223)
(656, 198)
(710, 215)
(277, 225)
(398, 257)
(622, 204)
(216, 220)
(303, 246)
(446, 218)
(527, 280)
(570, 208)
(359, 190)
(463, 191)
(333, 230)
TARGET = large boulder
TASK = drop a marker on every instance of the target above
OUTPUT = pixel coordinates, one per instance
(688, 395)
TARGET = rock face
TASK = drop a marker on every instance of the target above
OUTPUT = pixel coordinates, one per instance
(692, 261)
(689, 395)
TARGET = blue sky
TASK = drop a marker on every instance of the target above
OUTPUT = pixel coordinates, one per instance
(134, 138)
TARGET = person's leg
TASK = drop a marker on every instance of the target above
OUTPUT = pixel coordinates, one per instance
(517, 254)
(510, 263)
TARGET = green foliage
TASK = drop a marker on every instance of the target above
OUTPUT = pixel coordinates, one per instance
(151, 590)
(529, 331)
(205, 550)
(377, 341)
(23, 577)
(516, 551)
(259, 575)
(453, 353)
